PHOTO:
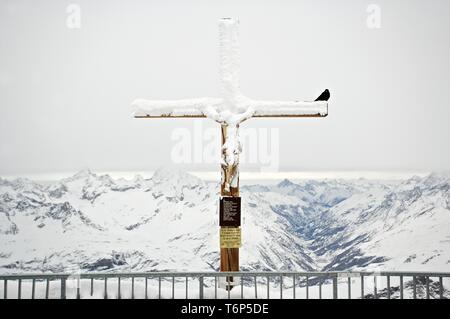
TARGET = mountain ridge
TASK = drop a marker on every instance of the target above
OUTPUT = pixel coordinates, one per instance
(169, 222)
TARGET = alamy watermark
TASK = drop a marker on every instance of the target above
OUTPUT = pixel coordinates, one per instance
(73, 20)
(200, 145)
(374, 16)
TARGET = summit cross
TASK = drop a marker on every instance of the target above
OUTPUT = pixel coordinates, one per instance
(229, 111)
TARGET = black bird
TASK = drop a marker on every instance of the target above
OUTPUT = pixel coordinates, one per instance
(325, 96)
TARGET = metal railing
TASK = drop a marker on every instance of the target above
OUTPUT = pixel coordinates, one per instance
(266, 285)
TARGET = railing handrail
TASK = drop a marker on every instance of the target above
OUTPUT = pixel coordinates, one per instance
(329, 274)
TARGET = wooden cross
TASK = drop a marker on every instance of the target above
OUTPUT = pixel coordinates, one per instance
(229, 111)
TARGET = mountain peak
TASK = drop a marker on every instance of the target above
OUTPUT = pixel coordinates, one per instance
(434, 179)
(174, 176)
(285, 183)
(85, 173)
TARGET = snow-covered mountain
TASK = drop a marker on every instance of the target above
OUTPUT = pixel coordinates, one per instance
(170, 222)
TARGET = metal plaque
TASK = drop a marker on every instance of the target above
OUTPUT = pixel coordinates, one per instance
(230, 237)
(230, 211)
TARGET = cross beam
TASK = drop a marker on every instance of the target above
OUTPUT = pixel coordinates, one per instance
(229, 111)
(192, 108)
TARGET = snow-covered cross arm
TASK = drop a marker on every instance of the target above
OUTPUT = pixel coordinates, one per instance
(195, 108)
(233, 107)
(173, 108)
(291, 108)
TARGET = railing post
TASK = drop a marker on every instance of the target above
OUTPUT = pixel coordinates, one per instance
(307, 287)
(362, 286)
(281, 287)
(200, 291)
(47, 288)
(335, 286)
(293, 284)
(33, 288)
(78, 289)
(215, 287)
(19, 293)
(320, 288)
(388, 283)
(256, 288)
(119, 290)
(173, 287)
(105, 288)
(375, 289)
(63, 288)
(349, 287)
(401, 286)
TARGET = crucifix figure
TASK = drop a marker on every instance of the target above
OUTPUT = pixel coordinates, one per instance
(229, 111)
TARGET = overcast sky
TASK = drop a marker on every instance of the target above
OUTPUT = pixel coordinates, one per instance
(65, 93)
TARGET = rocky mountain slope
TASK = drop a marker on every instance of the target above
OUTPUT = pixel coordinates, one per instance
(169, 222)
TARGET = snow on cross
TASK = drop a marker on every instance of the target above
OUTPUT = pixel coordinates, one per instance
(234, 107)
(230, 110)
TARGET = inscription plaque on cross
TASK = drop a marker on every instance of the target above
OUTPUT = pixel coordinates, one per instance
(229, 111)
(230, 212)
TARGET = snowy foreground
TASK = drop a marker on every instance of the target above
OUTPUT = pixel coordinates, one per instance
(169, 223)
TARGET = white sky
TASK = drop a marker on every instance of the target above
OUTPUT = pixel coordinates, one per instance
(65, 94)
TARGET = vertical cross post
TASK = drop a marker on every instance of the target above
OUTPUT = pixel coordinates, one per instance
(229, 257)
